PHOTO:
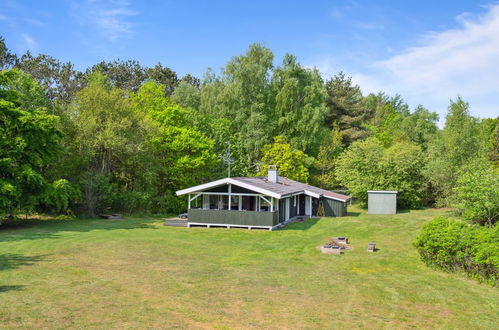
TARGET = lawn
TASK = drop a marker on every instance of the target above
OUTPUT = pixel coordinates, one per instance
(138, 273)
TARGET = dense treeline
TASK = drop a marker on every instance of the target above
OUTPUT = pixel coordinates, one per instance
(123, 137)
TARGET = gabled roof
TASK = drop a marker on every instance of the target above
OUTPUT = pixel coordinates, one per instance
(285, 187)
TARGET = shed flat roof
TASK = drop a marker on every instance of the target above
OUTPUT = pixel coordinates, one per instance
(383, 191)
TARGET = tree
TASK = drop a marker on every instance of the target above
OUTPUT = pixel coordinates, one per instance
(60, 81)
(29, 140)
(7, 59)
(330, 149)
(187, 95)
(460, 142)
(242, 94)
(477, 193)
(108, 148)
(125, 75)
(291, 163)
(420, 127)
(345, 107)
(299, 104)
(183, 154)
(490, 127)
(366, 165)
(165, 76)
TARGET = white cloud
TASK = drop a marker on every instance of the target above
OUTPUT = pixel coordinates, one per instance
(31, 44)
(111, 17)
(462, 61)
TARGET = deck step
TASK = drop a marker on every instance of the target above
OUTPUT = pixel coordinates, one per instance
(176, 223)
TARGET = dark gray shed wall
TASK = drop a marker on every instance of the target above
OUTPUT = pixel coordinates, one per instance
(334, 208)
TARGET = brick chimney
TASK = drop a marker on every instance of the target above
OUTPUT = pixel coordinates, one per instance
(273, 175)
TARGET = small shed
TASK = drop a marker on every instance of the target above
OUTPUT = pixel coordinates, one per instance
(382, 202)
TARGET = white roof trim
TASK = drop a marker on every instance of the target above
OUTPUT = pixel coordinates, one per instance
(383, 191)
(202, 186)
(227, 181)
(310, 193)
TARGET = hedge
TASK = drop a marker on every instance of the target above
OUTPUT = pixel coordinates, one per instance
(459, 247)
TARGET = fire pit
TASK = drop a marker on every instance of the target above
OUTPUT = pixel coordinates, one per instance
(340, 240)
(331, 249)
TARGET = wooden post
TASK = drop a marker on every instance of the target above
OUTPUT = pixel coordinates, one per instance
(310, 203)
(240, 206)
(272, 204)
(189, 199)
(230, 190)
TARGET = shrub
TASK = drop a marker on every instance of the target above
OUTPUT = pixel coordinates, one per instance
(477, 194)
(58, 197)
(458, 247)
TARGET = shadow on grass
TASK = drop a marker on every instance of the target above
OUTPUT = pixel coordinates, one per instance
(12, 260)
(5, 288)
(305, 225)
(353, 214)
(41, 229)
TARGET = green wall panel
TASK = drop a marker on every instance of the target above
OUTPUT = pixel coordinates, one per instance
(244, 218)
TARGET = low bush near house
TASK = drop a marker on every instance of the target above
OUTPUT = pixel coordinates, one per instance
(458, 247)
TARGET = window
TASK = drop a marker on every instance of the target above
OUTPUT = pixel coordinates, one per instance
(249, 203)
(224, 202)
(264, 205)
(197, 203)
(214, 202)
(234, 202)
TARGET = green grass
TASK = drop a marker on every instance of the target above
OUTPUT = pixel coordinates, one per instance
(137, 273)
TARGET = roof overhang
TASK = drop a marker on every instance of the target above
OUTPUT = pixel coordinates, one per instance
(311, 193)
(221, 182)
(336, 198)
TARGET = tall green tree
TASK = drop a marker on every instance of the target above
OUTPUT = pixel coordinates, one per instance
(187, 95)
(346, 107)
(300, 107)
(183, 154)
(125, 75)
(291, 163)
(29, 141)
(7, 58)
(163, 75)
(108, 143)
(460, 142)
(330, 149)
(242, 94)
(60, 81)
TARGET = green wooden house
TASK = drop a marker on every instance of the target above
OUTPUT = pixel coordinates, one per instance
(259, 202)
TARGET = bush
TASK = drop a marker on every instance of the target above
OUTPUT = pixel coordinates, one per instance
(477, 194)
(458, 247)
(58, 197)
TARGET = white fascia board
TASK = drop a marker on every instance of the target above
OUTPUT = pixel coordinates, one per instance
(383, 191)
(310, 193)
(220, 182)
(203, 186)
(253, 188)
(335, 198)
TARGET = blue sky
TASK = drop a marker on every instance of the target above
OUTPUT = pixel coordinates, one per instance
(427, 51)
